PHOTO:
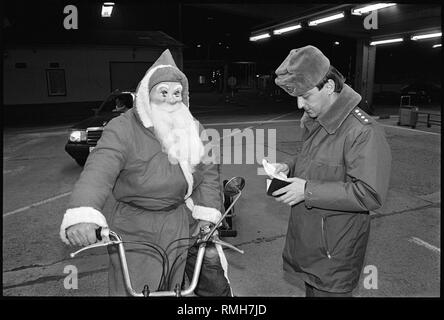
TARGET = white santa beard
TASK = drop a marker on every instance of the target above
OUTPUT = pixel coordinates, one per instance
(178, 134)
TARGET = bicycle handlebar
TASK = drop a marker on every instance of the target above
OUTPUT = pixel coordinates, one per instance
(114, 239)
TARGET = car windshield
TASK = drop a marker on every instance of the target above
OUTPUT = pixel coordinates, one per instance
(117, 103)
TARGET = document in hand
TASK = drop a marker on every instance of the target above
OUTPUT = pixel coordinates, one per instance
(277, 181)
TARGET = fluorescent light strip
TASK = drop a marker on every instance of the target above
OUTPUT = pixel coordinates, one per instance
(437, 45)
(375, 43)
(286, 29)
(426, 36)
(259, 37)
(107, 9)
(372, 7)
(326, 19)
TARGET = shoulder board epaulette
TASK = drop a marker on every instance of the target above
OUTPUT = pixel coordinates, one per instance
(362, 116)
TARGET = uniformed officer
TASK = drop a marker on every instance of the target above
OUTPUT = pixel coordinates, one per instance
(341, 174)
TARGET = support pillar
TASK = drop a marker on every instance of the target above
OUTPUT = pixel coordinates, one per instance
(365, 74)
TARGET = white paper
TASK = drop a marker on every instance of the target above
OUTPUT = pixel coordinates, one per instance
(271, 171)
(268, 183)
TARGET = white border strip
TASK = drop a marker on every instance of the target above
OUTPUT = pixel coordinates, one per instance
(425, 244)
(37, 204)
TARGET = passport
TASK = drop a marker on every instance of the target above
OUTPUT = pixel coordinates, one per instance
(278, 180)
(276, 184)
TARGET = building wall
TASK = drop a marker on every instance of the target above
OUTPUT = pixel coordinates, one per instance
(87, 71)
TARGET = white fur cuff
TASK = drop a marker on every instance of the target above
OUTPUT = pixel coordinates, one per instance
(190, 203)
(81, 215)
(206, 213)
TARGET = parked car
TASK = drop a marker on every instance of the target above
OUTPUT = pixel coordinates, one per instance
(83, 136)
(422, 93)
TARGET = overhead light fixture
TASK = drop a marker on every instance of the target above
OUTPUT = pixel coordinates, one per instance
(286, 29)
(375, 43)
(107, 9)
(426, 36)
(326, 19)
(259, 37)
(372, 7)
(337, 43)
(437, 45)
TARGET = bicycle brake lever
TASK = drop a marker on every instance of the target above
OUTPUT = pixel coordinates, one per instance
(95, 245)
(226, 244)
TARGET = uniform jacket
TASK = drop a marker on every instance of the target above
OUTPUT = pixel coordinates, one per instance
(346, 161)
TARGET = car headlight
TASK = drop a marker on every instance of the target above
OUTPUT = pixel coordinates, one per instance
(77, 136)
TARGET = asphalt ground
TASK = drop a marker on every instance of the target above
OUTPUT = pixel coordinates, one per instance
(403, 255)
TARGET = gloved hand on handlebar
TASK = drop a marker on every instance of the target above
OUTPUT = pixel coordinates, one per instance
(82, 234)
(202, 224)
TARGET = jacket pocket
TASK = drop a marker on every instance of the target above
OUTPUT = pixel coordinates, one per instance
(324, 236)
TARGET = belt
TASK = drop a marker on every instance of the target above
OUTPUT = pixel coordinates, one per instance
(169, 208)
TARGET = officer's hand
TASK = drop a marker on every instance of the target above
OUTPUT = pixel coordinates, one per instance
(82, 234)
(293, 193)
(281, 167)
(202, 224)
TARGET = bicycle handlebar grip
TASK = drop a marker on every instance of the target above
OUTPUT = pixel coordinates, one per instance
(99, 234)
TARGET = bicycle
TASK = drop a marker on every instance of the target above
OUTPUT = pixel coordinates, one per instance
(234, 187)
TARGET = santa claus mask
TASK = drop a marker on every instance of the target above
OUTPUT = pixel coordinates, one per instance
(167, 95)
(174, 125)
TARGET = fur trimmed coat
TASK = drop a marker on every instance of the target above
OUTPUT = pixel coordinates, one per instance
(157, 201)
(129, 162)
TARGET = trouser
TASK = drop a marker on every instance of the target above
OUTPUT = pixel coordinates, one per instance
(212, 280)
(311, 291)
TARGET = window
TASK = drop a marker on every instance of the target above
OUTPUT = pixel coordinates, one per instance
(55, 79)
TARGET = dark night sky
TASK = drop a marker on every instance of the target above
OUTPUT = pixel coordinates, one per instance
(215, 30)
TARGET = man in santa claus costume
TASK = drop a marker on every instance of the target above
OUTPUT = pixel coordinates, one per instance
(152, 160)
